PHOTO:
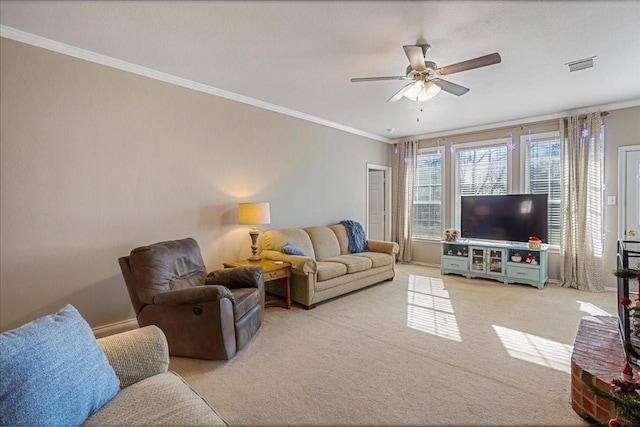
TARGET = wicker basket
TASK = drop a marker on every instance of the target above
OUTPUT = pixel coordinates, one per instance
(535, 244)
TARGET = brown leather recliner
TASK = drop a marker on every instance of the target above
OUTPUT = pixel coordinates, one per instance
(204, 316)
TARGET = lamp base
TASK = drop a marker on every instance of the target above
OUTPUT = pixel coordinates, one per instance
(254, 246)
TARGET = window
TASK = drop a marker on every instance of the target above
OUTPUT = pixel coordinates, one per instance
(543, 174)
(427, 201)
(480, 170)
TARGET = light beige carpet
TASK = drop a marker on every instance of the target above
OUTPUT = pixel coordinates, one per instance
(423, 349)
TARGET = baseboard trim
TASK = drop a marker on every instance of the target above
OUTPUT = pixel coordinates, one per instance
(424, 264)
(115, 328)
(556, 282)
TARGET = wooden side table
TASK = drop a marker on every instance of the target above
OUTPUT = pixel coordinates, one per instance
(272, 271)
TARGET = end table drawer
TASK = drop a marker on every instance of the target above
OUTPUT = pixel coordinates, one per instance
(276, 274)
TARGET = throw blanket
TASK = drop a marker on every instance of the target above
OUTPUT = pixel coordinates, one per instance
(357, 237)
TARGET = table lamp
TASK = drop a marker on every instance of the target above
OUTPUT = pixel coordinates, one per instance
(254, 214)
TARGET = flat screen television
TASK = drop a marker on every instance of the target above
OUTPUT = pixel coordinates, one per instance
(505, 217)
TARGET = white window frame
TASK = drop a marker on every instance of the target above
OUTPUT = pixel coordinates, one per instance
(442, 153)
(525, 142)
(508, 141)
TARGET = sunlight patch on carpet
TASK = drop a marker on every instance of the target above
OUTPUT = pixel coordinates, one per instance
(535, 349)
(429, 308)
(591, 309)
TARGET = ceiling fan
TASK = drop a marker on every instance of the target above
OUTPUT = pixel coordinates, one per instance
(425, 75)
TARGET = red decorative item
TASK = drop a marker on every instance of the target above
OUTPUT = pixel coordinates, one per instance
(627, 371)
(535, 242)
(625, 383)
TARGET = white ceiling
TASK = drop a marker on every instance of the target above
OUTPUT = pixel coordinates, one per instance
(297, 57)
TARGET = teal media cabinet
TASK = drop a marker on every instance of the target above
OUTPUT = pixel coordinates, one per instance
(506, 262)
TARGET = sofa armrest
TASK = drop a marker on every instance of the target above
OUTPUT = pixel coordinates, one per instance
(299, 264)
(391, 248)
(136, 354)
(193, 295)
(237, 277)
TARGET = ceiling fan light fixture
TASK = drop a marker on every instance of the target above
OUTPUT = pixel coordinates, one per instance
(421, 91)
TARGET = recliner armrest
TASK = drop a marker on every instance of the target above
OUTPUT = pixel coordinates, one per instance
(237, 277)
(193, 295)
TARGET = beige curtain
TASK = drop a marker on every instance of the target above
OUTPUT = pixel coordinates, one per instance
(581, 245)
(404, 164)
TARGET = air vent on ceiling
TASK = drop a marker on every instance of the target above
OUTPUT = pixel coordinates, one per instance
(580, 64)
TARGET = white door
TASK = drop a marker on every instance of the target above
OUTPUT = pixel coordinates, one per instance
(375, 228)
(631, 197)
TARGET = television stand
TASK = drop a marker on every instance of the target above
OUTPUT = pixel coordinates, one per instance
(505, 262)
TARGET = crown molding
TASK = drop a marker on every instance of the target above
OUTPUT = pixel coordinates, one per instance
(524, 120)
(76, 52)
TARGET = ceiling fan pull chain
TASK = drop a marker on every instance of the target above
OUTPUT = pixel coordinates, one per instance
(420, 111)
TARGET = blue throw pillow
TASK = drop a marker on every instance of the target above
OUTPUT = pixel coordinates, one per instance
(53, 372)
(293, 250)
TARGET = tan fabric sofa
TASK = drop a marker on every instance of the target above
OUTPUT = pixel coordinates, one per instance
(329, 269)
(149, 393)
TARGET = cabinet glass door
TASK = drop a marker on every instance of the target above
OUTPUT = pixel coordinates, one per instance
(496, 261)
(477, 259)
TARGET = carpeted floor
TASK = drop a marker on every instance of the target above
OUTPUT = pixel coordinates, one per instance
(423, 349)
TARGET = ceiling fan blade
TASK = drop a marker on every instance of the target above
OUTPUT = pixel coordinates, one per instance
(416, 57)
(470, 64)
(400, 93)
(451, 87)
(375, 79)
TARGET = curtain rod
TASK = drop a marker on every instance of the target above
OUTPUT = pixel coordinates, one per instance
(602, 114)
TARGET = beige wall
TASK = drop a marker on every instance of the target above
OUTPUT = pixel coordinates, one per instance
(96, 161)
(621, 129)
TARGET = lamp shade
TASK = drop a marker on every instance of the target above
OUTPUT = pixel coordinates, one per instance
(254, 213)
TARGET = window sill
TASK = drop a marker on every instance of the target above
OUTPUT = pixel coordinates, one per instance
(427, 239)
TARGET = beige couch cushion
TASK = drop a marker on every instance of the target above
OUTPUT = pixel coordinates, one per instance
(325, 242)
(352, 262)
(378, 259)
(343, 239)
(163, 399)
(329, 270)
(275, 240)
